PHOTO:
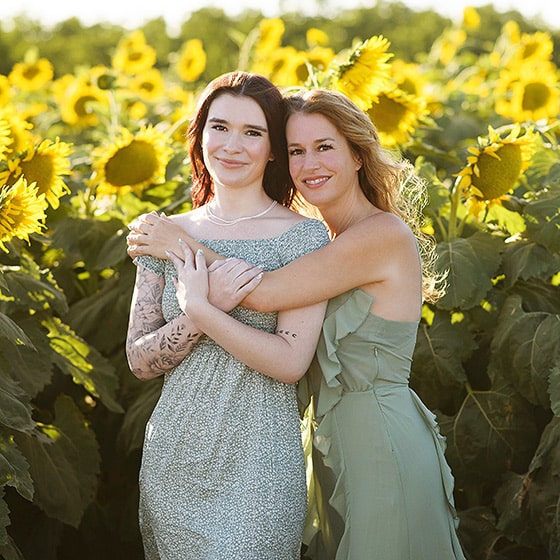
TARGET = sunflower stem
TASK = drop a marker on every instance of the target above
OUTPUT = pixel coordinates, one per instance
(452, 230)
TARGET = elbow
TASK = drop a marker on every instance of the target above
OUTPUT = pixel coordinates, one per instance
(291, 376)
(140, 370)
(262, 300)
(143, 375)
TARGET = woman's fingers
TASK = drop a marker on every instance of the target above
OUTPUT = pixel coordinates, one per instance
(234, 268)
(177, 262)
(248, 287)
(200, 261)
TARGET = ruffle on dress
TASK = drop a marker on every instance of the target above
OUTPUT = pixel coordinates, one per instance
(447, 479)
(336, 326)
(344, 319)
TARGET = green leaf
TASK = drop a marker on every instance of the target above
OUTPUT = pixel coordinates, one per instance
(32, 368)
(84, 239)
(531, 503)
(102, 318)
(437, 373)
(64, 463)
(34, 290)
(525, 350)
(554, 390)
(493, 432)
(525, 259)
(83, 362)
(9, 329)
(478, 533)
(538, 295)
(15, 409)
(510, 221)
(471, 263)
(543, 221)
(113, 251)
(14, 469)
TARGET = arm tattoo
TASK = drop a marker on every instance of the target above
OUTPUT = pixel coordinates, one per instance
(287, 333)
(154, 346)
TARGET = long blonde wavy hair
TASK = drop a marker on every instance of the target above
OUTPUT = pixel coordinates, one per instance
(390, 184)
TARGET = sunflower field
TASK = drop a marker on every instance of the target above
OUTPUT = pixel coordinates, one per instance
(82, 154)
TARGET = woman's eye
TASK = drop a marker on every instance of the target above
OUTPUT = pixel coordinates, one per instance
(218, 127)
(254, 133)
(294, 152)
(324, 147)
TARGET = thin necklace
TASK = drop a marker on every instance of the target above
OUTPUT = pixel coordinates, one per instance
(223, 222)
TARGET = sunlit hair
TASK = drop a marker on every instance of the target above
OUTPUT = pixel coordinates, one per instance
(390, 184)
(277, 182)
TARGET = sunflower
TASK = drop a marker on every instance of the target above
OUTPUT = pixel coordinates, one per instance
(22, 211)
(149, 85)
(271, 31)
(396, 115)
(471, 18)
(45, 165)
(5, 138)
(447, 45)
(533, 47)
(320, 57)
(530, 92)
(408, 77)
(279, 65)
(101, 77)
(497, 163)
(17, 137)
(192, 60)
(31, 76)
(131, 162)
(78, 101)
(5, 90)
(289, 67)
(133, 55)
(366, 71)
(316, 37)
(182, 115)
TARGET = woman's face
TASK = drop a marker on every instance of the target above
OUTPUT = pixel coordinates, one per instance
(322, 165)
(235, 142)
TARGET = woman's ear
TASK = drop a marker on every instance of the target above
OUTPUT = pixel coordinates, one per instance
(358, 161)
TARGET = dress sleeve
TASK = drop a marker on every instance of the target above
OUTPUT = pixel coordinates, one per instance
(306, 236)
(153, 264)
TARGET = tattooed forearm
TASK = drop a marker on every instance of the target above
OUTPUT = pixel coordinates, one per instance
(156, 353)
(154, 346)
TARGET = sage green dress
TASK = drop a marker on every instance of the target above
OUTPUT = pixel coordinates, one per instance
(223, 474)
(381, 488)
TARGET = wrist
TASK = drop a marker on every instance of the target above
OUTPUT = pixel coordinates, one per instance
(197, 311)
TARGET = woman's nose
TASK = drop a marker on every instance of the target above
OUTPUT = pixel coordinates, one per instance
(233, 143)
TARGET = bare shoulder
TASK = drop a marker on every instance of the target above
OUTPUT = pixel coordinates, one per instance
(381, 228)
(289, 215)
(194, 222)
(190, 217)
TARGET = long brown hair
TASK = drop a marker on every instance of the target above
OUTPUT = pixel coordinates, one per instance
(390, 184)
(277, 182)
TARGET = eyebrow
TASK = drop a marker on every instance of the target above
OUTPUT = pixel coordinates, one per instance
(316, 141)
(224, 121)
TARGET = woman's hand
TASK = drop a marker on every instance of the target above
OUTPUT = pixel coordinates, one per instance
(153, 234)
(231, 280)
(192, 281)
